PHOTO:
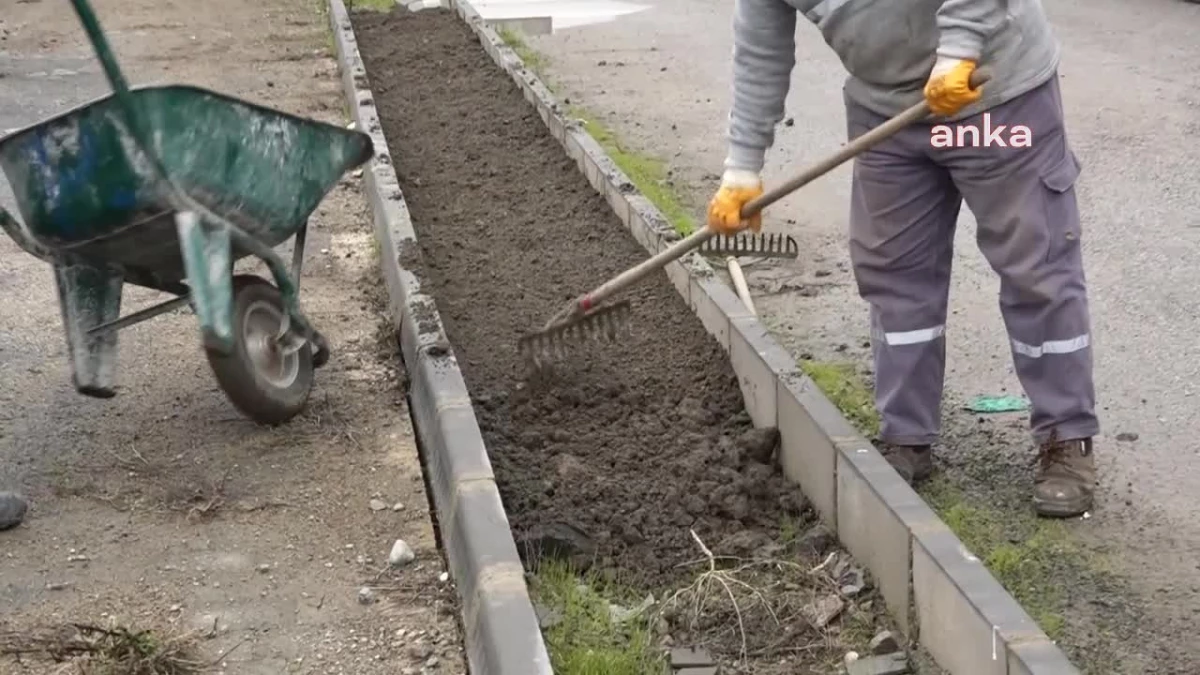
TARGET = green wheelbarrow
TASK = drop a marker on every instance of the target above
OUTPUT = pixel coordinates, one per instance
(166, 188)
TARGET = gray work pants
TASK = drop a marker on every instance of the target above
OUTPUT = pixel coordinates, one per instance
(905, 202)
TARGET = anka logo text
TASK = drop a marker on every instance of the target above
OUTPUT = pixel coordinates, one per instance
(962, 135)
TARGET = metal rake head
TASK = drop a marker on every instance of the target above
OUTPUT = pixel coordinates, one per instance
(602, 324)
(751, 246)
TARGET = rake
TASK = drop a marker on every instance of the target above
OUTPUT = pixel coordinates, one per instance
(748, 246)
(588, 319)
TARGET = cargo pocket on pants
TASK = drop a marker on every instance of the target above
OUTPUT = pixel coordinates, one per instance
(1061, 206)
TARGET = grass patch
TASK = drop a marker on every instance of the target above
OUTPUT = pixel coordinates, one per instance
(375, 5)
(584, 638)
(533, 59)
(647, 173)
(846, 389)
(1025, 553)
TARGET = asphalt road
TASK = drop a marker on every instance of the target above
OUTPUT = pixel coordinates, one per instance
(661, 78)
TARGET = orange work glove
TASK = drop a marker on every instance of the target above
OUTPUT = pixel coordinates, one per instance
(949, 90)
(738, 187)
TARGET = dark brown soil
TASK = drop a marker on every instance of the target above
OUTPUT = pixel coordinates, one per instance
(635, 443)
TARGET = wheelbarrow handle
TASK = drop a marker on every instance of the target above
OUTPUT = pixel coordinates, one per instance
(108, 62)
(916, 113)
(132, 116)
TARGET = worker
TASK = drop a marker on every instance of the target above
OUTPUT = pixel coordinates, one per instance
(907, 192)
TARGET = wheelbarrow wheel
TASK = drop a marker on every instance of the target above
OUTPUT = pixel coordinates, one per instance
(262, 380)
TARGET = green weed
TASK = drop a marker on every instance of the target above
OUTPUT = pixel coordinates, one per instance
(586, 640)
(847, 390)
(373, 5)
(1026, 554)
(647, 173)
(534, 60)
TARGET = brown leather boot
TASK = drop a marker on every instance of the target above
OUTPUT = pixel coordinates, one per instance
(1065, 483)
(914, 463)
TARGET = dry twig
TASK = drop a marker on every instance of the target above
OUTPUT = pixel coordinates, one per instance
(84, 648)
(751, 602)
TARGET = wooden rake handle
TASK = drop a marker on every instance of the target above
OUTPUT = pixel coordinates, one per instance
(850, 150)
(916, 113)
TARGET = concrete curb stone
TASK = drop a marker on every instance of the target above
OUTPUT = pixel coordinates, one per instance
(963, 616)
(501, 629)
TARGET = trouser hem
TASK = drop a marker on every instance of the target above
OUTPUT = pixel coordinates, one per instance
(1068, 433)
(909, 440)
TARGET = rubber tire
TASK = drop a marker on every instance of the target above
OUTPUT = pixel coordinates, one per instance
(236, 375)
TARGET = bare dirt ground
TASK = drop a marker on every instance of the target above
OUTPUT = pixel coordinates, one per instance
(162, 509)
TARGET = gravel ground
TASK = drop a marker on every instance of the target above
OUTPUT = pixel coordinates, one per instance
(162, 508)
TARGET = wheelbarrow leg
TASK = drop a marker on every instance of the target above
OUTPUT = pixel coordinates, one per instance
(298, 253)
(89, 297)
(207, 262)
(288, 289)
(320, 345)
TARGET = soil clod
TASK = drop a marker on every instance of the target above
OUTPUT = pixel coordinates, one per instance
(367, 596)
(816, 542)
(884, 643)
(557, 541)
(890, 664)
(759, 445)
(13, 508)
(824, 610)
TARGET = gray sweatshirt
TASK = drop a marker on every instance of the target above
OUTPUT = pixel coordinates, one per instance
(888, 47)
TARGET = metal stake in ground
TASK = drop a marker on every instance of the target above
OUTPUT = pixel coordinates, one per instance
(587, 318)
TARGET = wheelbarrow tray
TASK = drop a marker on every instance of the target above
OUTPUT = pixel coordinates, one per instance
(86, 191)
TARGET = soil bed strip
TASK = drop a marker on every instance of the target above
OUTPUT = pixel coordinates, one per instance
(852, 463)
(630, 445)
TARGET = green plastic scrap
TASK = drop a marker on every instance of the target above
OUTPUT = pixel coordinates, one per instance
(998, 404)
